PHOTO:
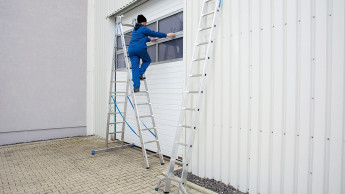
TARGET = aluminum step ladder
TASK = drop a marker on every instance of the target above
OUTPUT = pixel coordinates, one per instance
(210, 11)
(117, 97)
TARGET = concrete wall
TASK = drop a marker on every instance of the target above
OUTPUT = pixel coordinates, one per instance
(42, 69)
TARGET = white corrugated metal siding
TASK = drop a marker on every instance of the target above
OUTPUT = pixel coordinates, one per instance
(273, 113)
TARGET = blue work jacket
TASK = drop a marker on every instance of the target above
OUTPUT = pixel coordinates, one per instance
(140, 36)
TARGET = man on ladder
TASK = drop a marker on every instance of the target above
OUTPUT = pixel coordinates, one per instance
(138, 49)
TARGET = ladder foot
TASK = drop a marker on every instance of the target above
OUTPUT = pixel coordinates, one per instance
(93, 152)
(162, 163)
(147, 167)
(156, 189)
(166, 191)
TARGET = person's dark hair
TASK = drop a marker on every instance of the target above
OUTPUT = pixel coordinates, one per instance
(141, 18)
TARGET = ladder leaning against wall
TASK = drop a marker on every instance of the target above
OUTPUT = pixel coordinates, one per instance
(200, 61)
(117, 113)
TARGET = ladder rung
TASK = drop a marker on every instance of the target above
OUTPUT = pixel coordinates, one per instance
(185, 126)
(151, 141)
(112, 113)
(112, 123)
(142, 92)
(120, 81)
(206, 28)
(129, 25)
(138, 104)
(208, 1)
(195, 75)
(209, 13)
(192, 92)
(182, 144)
(148, 129)
(178, 162)
(201, 43)
(129, 36)
(119, 92)
(115, 132)
(199, 59)
(121, 70)
(146, 116)
(184, 108)
(112, 102)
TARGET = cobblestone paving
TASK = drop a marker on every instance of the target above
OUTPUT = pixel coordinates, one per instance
(67, 166)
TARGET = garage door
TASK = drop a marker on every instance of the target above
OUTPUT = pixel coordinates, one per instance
(165, 75)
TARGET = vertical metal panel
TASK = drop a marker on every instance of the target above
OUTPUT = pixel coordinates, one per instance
(336, 34)
(297, 97)
(278, 96)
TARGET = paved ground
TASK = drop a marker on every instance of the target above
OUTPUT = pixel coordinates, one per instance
(66, 166)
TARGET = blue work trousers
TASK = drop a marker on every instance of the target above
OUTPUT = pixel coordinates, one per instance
(135, 54)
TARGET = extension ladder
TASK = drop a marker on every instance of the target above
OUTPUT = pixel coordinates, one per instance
(206, 15)
(114, 95)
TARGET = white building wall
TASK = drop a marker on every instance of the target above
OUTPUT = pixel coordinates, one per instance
(273, 114)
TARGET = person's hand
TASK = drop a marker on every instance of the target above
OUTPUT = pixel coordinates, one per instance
(153, 39)
(171, 35)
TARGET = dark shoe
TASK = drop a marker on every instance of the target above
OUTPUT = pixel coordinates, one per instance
(142, 77)
(136, 90)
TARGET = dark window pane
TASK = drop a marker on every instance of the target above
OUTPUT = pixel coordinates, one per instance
(173, 23)
(170, 50)
(152, 52)
(120, 62)
(118, 43)
(152, 26)
(127, 39)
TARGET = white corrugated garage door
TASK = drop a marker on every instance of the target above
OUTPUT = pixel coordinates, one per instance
(165, 76)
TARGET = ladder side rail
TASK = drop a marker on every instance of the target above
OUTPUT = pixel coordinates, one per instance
(134, 99)
(125, 110)
(110, 88)
(159, 151)
(178, 134)
(115, 63)
(209, 55)
(128, 76)
(184, 99)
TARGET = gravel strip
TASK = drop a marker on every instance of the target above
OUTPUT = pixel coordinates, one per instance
(216, 186)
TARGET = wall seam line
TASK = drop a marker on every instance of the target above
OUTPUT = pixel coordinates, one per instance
(328, 96)
(298, 86)
(312, 97)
